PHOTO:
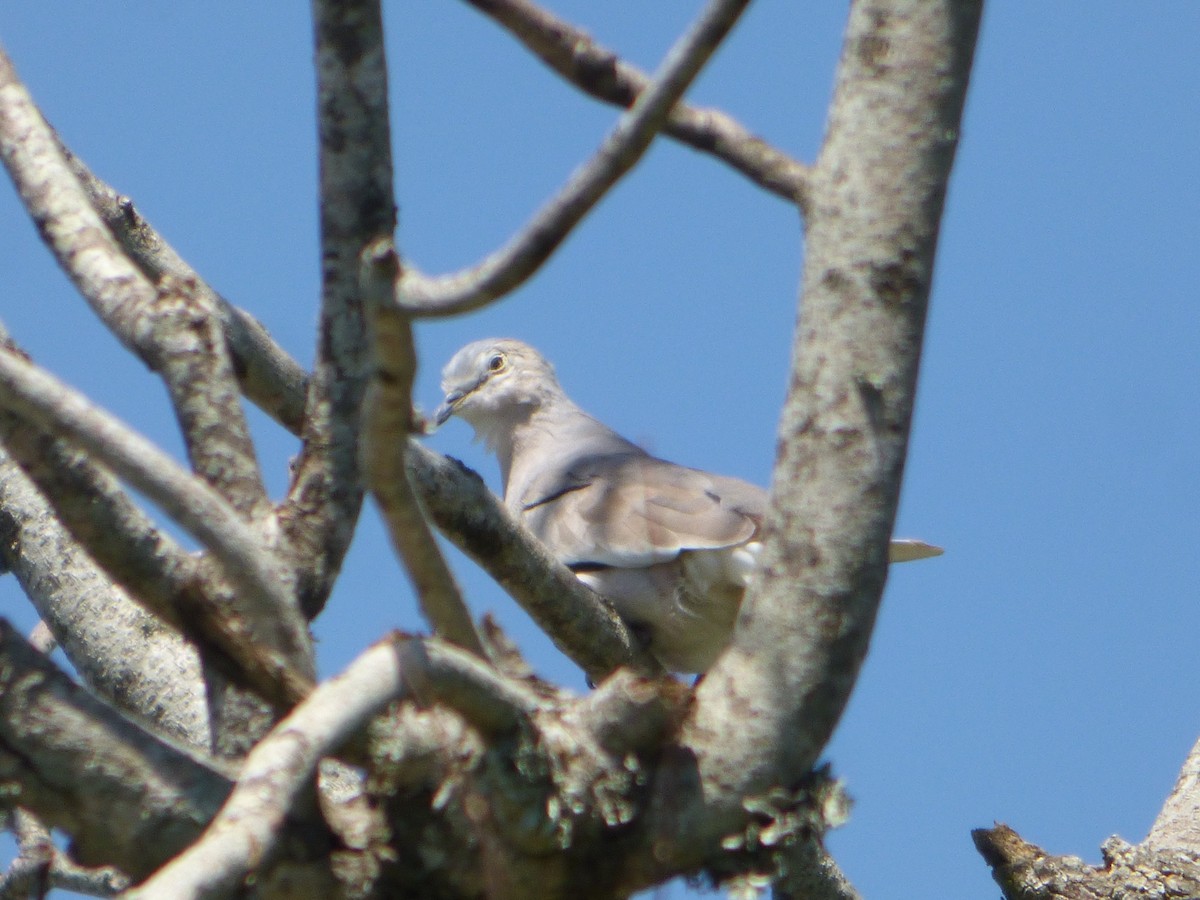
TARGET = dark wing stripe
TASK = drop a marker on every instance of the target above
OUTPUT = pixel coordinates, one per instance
(552, 497)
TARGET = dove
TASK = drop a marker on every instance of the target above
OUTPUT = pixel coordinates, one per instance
(671, 548)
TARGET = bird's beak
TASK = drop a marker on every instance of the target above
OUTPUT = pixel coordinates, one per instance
(446, 410)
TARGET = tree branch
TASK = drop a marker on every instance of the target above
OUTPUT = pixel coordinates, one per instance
(487, 700)
(630, 713)
(512, 264)
(357, 206)
(268, 375)
(388, 422)
(1178, 823)
(275, 773)
(123, 653)
(577, 619)
(41, 866)
(768, 706)
(144, 801)
(177, 588)
(195, 365)
(1025, 871)
(600, 73)
(85, 249)
(263, 594)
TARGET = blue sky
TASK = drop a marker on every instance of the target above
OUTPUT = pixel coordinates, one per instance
(1031, 675)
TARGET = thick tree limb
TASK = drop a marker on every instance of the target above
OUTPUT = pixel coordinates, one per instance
(600, 73)
(120, 650)
(766, 709)
(388, 421)
(629, 713)
(579, 622)
(263, 592)
(512, 264)
(357, 206)
(143, 801)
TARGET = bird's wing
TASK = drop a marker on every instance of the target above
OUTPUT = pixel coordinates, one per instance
(632, 510)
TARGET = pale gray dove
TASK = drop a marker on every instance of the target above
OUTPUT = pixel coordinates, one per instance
(671, 548)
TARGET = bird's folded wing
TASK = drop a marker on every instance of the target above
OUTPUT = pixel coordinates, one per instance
(631, 510)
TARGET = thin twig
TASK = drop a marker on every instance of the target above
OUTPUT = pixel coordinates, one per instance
(600, 73)
(512, 264)
(387, 424)
(263, 583)
(579, 622)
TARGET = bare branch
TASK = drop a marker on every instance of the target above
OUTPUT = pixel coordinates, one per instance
(144, 801)
(578, 620)
(118, 649)
(1025, 871)
(195, 365)
(600, 73)
(631, 714)
(439, 673)
(512, 264)
(29, 874)
(1178, 823)
(387, 423)
(262, 582)
(40, 866)
(768, 706)
(273, 776)
(116, 290)
(357, 206)
(171, 584)
(268, 375)
(76, 213)
(812, 874)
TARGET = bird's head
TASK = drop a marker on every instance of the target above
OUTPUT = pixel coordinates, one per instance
(493, 381)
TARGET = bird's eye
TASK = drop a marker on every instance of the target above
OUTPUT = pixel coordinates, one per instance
(496, 363)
